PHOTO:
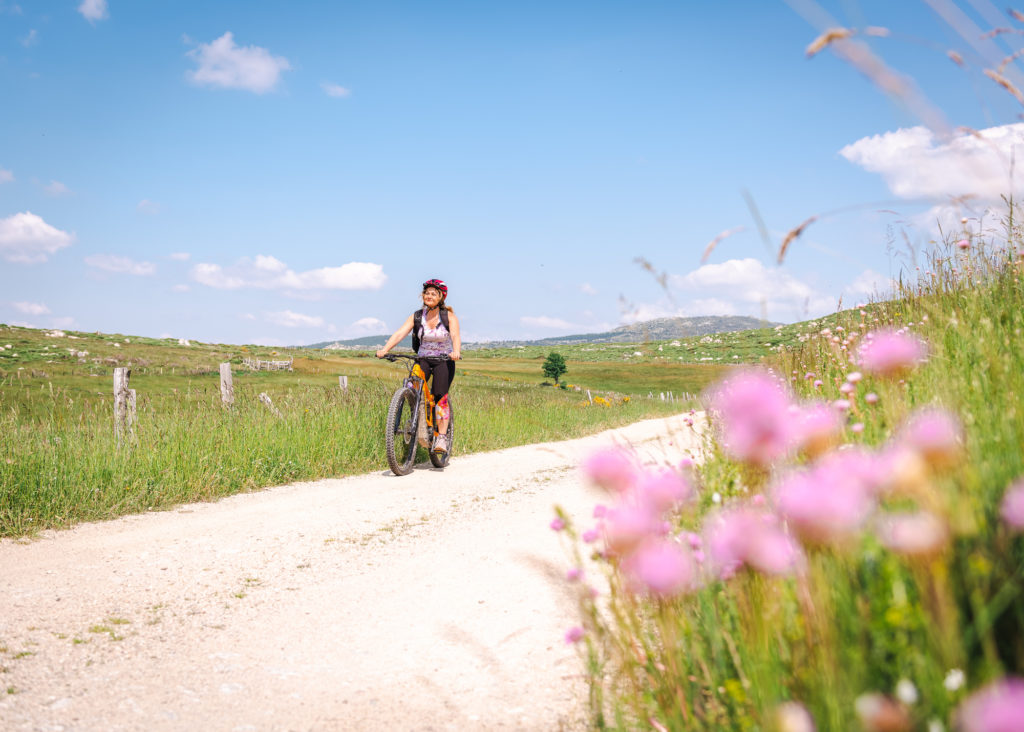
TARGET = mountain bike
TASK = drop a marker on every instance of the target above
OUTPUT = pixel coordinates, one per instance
(405, 431)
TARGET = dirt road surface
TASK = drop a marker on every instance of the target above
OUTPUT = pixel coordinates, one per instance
(434, 601)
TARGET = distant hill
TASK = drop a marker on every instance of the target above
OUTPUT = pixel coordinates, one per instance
(659, 329)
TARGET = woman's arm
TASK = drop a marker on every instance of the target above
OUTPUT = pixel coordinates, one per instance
(398, 335)
(453, 321)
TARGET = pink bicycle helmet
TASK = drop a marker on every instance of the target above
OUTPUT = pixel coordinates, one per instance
(439, 285)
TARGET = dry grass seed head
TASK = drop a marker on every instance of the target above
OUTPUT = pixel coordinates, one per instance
(830, 36)
(1016, 15)
(793, 234)
(1005, 83)
(955, 58)
(714, 242)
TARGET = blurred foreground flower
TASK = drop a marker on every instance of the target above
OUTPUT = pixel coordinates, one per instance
(747, 537)
(612, 469)
(574, 634)
(756, 423)
(793, 717)
(661, 568)
(918, 534)
(1012, 508)
(826, 505)
(936, 435)
(891, 353)
(880, 713)
(998, 707)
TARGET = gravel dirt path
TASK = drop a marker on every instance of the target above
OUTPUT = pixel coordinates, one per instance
(428, 602)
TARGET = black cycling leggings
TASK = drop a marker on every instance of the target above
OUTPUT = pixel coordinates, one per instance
(444, 374)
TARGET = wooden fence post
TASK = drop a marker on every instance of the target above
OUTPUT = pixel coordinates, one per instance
(343, 383)
(122, 425)
(227, 386)
(265, 398)
(589, 398)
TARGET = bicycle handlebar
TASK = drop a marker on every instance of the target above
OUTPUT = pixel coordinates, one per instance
(393, 356)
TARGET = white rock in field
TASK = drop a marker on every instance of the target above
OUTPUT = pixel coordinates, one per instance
(183, 342)
(56, 334)
(117, 345)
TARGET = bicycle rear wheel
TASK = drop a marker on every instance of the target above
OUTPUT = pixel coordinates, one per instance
(441, 460)
(400, 431)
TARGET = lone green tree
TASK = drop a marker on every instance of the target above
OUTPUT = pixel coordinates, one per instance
(554, 366)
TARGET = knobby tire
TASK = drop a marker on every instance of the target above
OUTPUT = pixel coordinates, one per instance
(400, 432)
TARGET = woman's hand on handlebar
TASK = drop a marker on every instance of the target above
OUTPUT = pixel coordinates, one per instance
(456, 354)
(381, 353)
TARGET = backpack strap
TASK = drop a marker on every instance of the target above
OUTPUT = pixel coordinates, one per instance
(417, 325)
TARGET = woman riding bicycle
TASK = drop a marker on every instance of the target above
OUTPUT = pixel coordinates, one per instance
(438, 338)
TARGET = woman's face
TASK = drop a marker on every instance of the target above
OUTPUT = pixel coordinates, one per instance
(431, 297)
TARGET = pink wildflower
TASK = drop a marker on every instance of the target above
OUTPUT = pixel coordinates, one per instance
(857, 427)
(818, 428)
(847, 388)
(871, 398)
(793, 717)
(743, 536)
(574, 635)
(824, 505)
(818, 383)
(918, 534)
(891, 353)
(557, 524)
(1012, 508)
(612, 469)
(574, 574)
(854, 377)
(936, 435)
(841, 405)
(628, 525)
(963, 244)
(754, 413)
(998, 707)
(599, 511)
(591, 535)
(660, 568)
(663, 490)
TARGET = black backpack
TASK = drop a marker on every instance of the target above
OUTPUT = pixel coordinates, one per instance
(418, 326)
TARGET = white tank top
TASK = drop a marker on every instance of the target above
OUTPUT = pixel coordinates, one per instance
(434, 341)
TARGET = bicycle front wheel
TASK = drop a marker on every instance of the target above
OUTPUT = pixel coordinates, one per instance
(400, 432)
(440, 460)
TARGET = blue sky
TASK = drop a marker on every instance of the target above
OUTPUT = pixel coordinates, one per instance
(286, 173)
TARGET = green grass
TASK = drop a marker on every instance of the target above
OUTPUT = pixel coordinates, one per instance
(60, 462)
(857, 619)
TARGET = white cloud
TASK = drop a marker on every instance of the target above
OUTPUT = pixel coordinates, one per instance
(225, 65)
(26, 238)
(31, 308)
(6, 176)
(56, 188)
(269, 273)
(748, 287)
(290, 319)
(869, 284)
(145, 206)
(120, 265)
(180, 256)
(180, 288)
(915, 163)
(93, 10)
(544, 321)
(639, 312)
(588, 289)
(369, 326)
(335, 90)
(31, 39)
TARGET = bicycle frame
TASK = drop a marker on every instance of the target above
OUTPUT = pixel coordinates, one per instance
(416, 380)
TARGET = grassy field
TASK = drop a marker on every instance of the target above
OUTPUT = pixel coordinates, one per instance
(878, 584)
(60, 464)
